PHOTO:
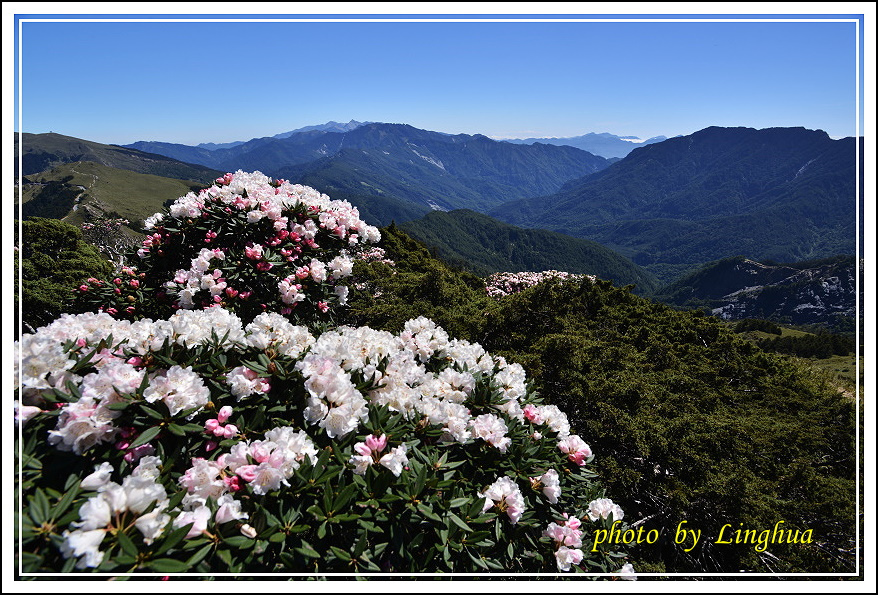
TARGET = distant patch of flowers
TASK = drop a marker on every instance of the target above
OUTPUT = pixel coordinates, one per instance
(499, 285)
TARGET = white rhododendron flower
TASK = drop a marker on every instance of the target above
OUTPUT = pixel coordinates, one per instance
(98, 479)
(602, 508)
(179, 389)
(492, 430)
(505, 495)
(112, 508)
(627, 573)
(550, 484)
(567, 557)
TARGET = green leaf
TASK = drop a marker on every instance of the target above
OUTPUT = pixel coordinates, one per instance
(151, 412)
(458, 502)
(427, 512)
(199, 555)
(307, 550)
(39, 507)
(344, 497)
(459, 522)
(177, 430)
(478, 560)
(173, 538)
(146, 436)
(168, 565)
(126, 544)
(65, 501)
(340, 553)
(239, 541)
(476, 507)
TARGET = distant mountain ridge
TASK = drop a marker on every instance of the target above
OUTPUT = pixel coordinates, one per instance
(784, 194)
(815, 292)
(40, 152)
(484, 245)
(598, 143)
(330, 126)
(397, 160)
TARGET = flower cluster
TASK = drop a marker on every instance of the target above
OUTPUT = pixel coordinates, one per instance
(568, 540)
(369, 452)
(396, 412)
(500, 285)
(113, 507)
(299, 249)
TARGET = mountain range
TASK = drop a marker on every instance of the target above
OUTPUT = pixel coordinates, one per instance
(434, 169)
(670, 207)
(330, 126)
(598, 143)
(784, 194)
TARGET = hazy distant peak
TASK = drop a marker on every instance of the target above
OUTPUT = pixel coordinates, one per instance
(603, 144)
(331, 126)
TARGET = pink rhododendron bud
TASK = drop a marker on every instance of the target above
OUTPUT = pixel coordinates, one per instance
(83, 287)
(246, 472)
(211, 425)
(210, 445)
(573, 522)
(224, 413)
(233, 483)
(376, 444)
(137, 452)
(363, 449)
(230, 431)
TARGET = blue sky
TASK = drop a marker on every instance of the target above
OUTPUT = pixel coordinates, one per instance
(217, 82)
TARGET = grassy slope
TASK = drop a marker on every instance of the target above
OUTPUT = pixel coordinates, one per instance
(132, 195)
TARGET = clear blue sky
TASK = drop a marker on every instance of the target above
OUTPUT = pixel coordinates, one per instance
(217, 82)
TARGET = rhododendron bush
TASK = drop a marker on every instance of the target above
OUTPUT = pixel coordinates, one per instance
(231, 437)
(248, 243)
